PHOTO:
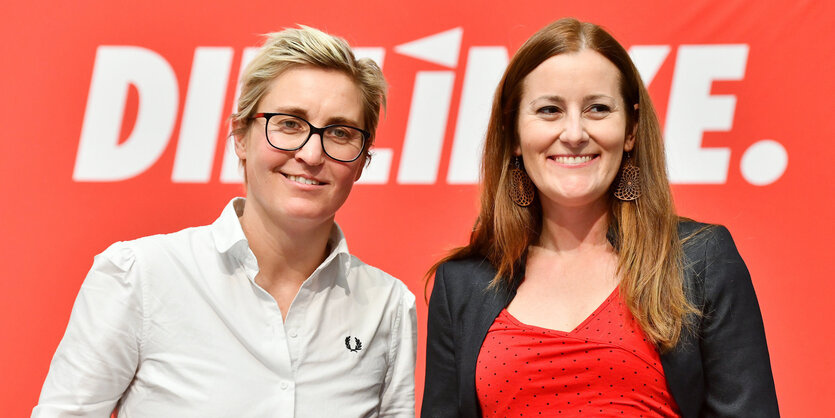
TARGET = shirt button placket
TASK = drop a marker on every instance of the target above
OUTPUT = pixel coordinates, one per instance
(287, 398)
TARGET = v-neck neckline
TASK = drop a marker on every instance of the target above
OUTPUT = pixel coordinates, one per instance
(603, 305)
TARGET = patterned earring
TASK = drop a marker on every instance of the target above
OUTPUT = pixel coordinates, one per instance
(629, 186)
(521, 189)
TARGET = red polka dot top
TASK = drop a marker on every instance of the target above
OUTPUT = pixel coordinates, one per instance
(604, 367)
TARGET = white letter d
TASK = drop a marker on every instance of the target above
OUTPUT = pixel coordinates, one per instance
(100, 156)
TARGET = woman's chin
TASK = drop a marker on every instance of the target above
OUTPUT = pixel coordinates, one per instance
(577, 198)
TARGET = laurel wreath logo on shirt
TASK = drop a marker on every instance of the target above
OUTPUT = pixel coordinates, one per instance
(357, 344)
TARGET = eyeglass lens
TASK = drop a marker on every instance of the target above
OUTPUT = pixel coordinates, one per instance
(339, 141)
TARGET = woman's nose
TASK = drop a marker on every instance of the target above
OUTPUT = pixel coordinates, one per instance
(574, 131)
(312, 152)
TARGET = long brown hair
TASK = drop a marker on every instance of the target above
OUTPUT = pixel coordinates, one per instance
(644, 232)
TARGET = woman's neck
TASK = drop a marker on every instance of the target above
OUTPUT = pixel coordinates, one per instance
(569, 229)
(285, 250)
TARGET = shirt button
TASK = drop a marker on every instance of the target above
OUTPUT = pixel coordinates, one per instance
(293, 333)
(284, 385)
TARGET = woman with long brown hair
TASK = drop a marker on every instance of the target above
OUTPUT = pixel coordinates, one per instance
(582, 292)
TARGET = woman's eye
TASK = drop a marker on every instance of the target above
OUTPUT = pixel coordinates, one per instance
(599, 109)
(548, 110)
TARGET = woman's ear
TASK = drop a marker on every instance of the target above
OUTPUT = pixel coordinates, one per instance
(362, 162)
(629, 143)
(240, 144)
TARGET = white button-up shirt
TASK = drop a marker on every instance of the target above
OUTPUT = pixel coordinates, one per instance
(175, 326)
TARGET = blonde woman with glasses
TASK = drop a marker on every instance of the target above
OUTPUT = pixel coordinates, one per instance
(265, 312)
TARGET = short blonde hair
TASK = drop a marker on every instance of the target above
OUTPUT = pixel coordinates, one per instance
(308, 46)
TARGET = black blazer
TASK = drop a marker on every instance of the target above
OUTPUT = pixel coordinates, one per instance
(721, 369)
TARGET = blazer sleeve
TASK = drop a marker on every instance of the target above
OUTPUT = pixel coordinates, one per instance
(738, 379)
(440, 394)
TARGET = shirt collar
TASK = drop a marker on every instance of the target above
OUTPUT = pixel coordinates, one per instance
(228, 233)
(339, 248)
(226, 229)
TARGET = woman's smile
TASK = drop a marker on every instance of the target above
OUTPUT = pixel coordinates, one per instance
(574, 161)
(303, 180)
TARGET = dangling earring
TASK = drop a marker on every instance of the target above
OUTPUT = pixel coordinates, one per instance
(521, 189)
(629, 186)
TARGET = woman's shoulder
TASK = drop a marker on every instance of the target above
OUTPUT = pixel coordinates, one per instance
(469, 265)
(711, 259)
(153, 248)
(465, 285)
(689, 228)
(370, 277)
(702, 239)
(471, 269)
(467, 277)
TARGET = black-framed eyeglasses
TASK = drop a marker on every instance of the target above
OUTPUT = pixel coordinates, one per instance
(290, 132)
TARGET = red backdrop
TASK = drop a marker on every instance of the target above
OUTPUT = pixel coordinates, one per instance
(744, 91)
